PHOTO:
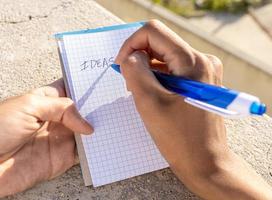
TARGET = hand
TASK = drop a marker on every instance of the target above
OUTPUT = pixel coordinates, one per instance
(37, 141)
(193, 141)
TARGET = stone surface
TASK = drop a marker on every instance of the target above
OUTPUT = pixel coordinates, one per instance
(28, 59)
(263, 16)
(238, 30)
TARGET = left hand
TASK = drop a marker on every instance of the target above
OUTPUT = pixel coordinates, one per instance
(36, 137)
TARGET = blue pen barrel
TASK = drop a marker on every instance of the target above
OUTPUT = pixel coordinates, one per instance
(213, 95)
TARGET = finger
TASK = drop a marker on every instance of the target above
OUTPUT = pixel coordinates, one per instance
(160, 66)
(58, 109)
(163, 44)
(55, 89)
(139, 78)
(217, 67)
(58, 87)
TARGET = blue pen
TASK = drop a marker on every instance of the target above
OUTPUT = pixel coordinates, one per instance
(219, 100)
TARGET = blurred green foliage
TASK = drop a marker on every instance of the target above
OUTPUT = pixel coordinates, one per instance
(185, 8)
(226, 5)
(190, 7)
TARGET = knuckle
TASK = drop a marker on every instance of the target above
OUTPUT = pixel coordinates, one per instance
(28, 103)
(203, 60)
(216, 62)
(202, 63)
(209, 68)
(215, 68)
(67, 102)
(153, 23)
(64, 105)
(131, 60)
(29, 98)
(189, 59)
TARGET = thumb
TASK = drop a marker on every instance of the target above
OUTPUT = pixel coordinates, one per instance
(139, 78)
(59, 109)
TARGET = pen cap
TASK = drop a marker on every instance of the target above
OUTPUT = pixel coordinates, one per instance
(247, 104)
(257, 108)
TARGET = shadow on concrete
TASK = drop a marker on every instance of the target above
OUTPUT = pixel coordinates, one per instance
(224, 19)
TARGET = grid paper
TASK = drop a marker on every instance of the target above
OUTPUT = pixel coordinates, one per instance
(120, 147)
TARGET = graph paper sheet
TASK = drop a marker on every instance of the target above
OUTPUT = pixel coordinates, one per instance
(120, 147)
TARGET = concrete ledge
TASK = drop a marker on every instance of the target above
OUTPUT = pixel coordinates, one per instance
(241, 71)
(183, 23)
(28, 57)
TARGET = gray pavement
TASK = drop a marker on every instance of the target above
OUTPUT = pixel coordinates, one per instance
(28, 59)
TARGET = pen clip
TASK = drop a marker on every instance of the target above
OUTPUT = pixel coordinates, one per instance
(208, 107)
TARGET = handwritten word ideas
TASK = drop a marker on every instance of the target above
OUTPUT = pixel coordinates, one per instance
(96, 63)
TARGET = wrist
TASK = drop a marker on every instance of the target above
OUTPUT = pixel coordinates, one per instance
(18, 174)
(226, 178)
(5, 188)
(198, 172)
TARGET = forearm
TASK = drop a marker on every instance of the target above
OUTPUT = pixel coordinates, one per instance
(5, 156)
(15, 176)
(230, 179)
(5, 187)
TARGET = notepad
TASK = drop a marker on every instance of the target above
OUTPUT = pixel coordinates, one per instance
(120, 146)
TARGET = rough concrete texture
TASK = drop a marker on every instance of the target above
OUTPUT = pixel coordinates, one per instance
(28, 59)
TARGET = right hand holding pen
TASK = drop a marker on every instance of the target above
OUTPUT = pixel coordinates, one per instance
(193, 141)
(186, 136)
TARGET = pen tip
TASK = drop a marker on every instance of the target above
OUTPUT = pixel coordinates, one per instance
(116, 67)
